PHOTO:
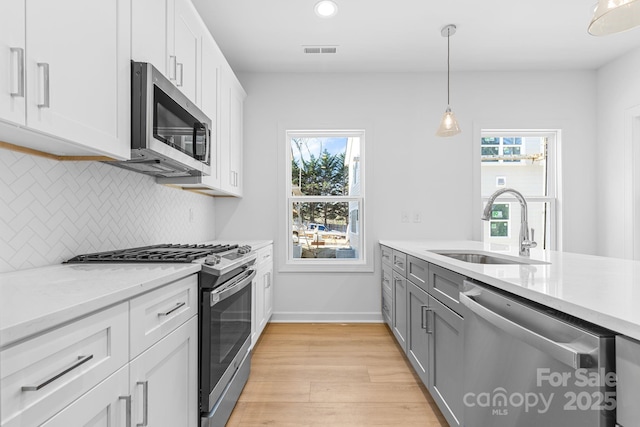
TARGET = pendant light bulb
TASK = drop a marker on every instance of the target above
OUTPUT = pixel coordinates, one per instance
(449, 124)
(614, 16)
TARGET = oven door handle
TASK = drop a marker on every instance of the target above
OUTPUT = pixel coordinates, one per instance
(232, 288)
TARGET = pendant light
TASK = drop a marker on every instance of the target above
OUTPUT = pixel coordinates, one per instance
(614, 16)
(449, 124)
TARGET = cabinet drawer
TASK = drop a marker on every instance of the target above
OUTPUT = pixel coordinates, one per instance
(264, 255)
(417, 272)
(387, 253)
(155, 314)
(386, 278)
(43, 375)
(400, 262)
(445, 285)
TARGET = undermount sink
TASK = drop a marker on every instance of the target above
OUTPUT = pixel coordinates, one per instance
(479, 257)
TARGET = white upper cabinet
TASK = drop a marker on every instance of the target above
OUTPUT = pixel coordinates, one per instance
(212, 60)
(168, 34)
(231, 133)
(12, 48)
(70, 81)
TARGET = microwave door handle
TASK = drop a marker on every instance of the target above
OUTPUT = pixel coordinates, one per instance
(216, 297)
(562, 352)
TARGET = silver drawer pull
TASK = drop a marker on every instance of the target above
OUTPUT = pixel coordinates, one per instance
(81, 360)
(166, 313)
(19, 71)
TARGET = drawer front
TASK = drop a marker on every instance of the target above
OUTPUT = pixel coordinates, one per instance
(400, 262)
(264, 255)
(105, 405)
(43, 375)
(386, 278)
(387, 253)
(155, 314)
(417, 272)
(445, 285)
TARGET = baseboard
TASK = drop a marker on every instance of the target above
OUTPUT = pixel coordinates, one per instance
(307, 317)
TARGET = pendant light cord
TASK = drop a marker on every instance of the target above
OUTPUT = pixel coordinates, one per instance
(448, 63)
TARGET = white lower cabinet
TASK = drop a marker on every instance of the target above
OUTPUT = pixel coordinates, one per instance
(262, 293)
(134, 363)
(164, 380)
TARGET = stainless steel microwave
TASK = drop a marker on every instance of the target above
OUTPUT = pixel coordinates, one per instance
(170, 135)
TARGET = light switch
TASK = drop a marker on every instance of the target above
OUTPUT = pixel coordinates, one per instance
(404, 215)
(417, 216)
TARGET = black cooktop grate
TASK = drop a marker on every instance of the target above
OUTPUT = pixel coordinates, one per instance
(156, 253)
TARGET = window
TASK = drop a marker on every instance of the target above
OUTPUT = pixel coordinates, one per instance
(525, 161)
(502, 149)
(499, 222)
(325, 197)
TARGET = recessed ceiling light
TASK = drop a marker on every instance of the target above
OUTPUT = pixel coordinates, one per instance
(326, 8)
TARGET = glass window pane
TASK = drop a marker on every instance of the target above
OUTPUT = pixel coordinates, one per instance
(325, 166)
(325, 230)
(490, 151)
(512, 141)
(500, 211)
(499, 229)
(490, 141)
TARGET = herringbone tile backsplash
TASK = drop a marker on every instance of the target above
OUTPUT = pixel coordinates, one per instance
(51, 211)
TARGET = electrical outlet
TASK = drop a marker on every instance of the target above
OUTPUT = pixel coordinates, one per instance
(417, 216)
(404, 216)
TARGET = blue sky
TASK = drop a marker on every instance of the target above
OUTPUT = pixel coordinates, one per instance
(317, 145)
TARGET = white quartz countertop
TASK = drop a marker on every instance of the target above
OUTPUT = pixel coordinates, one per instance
(603, 291)
(35, 300)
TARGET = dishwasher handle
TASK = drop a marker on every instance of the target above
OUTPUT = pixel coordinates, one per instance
(562, 352)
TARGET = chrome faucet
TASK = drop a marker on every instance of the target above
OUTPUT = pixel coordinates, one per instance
(525, 242)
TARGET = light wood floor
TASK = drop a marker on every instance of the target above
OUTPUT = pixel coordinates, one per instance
(338, 375)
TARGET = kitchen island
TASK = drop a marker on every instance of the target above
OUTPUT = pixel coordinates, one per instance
(600, 290)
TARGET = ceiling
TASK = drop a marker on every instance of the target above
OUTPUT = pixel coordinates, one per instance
(404, 35)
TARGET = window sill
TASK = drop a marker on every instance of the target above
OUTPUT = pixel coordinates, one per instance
(327, 267)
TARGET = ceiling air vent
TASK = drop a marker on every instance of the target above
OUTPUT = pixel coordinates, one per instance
(320, 49)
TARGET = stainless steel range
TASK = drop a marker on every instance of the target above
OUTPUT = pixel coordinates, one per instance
(224, 315)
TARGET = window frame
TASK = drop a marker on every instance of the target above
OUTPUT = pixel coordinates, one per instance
(325, 264)
(552, 178)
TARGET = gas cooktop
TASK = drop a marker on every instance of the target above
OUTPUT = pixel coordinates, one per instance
(164, 253)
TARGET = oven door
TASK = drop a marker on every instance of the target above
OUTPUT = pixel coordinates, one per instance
(225, 335)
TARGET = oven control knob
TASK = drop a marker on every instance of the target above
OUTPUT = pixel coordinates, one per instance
(242, 250)
(212, 260)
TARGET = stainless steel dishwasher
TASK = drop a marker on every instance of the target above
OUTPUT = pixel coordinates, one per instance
(526, 365)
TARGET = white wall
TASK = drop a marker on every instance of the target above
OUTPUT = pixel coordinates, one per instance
(618, 91)
(408, 168)
(51, 211)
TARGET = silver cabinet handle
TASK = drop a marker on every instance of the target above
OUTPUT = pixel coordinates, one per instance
(268, 280)
(559, 351)
(177, 306)
(424, 319)
(145, 403)
(19, 70)
(81, 360)
(127, 400)
(181, 68)
(172, 67)
(44, 66)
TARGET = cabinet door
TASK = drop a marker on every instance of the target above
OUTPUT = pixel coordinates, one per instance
(104, 406)
(150, 38)
(212, 61)
(78, 72)
(231, 132)
(164, 382)
(418, 331)
(400, 309)
(268, 296)
(12, 49)
(446, 361)
(187, 49)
